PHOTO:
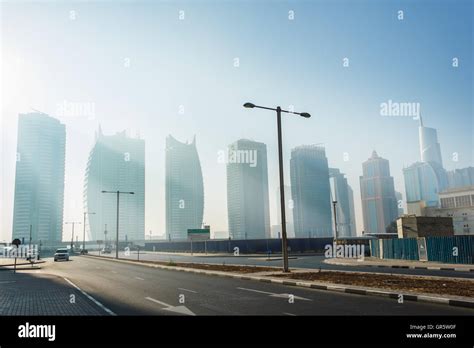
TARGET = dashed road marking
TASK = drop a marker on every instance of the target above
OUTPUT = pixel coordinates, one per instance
(139, 278)
(195, 292)
(91, 298)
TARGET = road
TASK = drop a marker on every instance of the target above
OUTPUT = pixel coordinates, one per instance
(300, 261)
(127, 289)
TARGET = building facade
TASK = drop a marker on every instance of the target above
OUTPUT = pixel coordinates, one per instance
(340, 193)
(457, 204)
(39, 178)
(184, 189)
(247, 190)
(379, 203)
(116, 162)
(310, 192)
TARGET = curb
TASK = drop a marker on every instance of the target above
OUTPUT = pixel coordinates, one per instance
(403, 266)
(312, 285)
(22, 264)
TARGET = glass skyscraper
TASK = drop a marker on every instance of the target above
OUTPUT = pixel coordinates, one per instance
(247, 190)
(379, 203)
(116, 162)
(342, 193)
(310, 191)
(184, 189)
(39, 179)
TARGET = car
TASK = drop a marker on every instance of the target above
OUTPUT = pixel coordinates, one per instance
(61, 254)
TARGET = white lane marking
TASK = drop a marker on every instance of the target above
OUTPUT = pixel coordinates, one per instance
(259, 291)
(91, 298)
(195, 292)
(272, 294)
(114, 272)
(177, 309)
(139, 278)
(159, 302)
(290, 314)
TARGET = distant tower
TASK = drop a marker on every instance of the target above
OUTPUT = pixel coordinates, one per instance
(247, 190)
(310, 191)
(430, 150)
(379, 203)
(184, 189)
(116, 162)
(39, 180)
(342, 193)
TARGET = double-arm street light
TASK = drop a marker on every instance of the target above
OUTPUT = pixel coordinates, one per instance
(118, 193)
(72, 236)
(84, 233)
(284, 242)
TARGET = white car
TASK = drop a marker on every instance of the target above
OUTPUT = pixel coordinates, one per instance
(61, 254)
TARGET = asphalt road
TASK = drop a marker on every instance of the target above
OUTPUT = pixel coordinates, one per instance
(126, 289)
(300, 261)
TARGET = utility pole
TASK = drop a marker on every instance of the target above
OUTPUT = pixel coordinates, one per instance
(335, 220)
(118, 214)
(72, 236)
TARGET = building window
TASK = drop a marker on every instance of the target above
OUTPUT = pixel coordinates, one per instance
(463, 201)
(447, 202)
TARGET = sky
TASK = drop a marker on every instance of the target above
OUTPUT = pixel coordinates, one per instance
(186, 67)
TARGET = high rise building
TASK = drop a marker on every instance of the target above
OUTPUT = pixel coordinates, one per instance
(459, 178)
(340, 193)
(379, 203)
(353, 218)
(184, 189)
(247, 190)
(116, 162)
(310, 192)
(39, 180)
(424, 180)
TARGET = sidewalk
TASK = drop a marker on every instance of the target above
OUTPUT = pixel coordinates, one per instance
(7, 262)
(376, 262)
(28, 293)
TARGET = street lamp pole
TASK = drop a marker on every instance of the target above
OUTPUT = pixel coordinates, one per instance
(284, 239)
(335, 220)
(118, 212)
(84, 233)
(72, 236)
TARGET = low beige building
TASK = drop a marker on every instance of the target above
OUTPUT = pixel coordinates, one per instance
(411, 226)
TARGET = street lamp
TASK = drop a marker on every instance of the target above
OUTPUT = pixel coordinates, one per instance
(284, 241)
(118, 200)
(84, 234)
(335, 220)
(72, 236)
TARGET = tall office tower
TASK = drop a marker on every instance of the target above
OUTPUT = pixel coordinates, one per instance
(116, 162)
(184, 189)
(399, 203)
(247, 190)
(340, 193)
(460, 178)
(310, 192)
(430, 150)
(379, 203)
(290, 230)
(353, 218)
(39, 180)
(424, 180)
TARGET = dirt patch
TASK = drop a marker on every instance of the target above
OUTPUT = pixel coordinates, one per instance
(454, 287)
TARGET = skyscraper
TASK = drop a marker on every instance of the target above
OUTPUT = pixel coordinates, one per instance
(39, 180)
(379, 203)
(310, 192)
(116, 162)
(340, 192)
(247, 190)
(430, 150)
(425, 179)
(184, 188)
(353, 218)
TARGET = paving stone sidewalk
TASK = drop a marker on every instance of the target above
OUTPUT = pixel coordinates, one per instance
(29, 293)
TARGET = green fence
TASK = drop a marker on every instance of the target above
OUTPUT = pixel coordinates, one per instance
(454, 249)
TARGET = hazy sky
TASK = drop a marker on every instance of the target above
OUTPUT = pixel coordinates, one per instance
(141, 64)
